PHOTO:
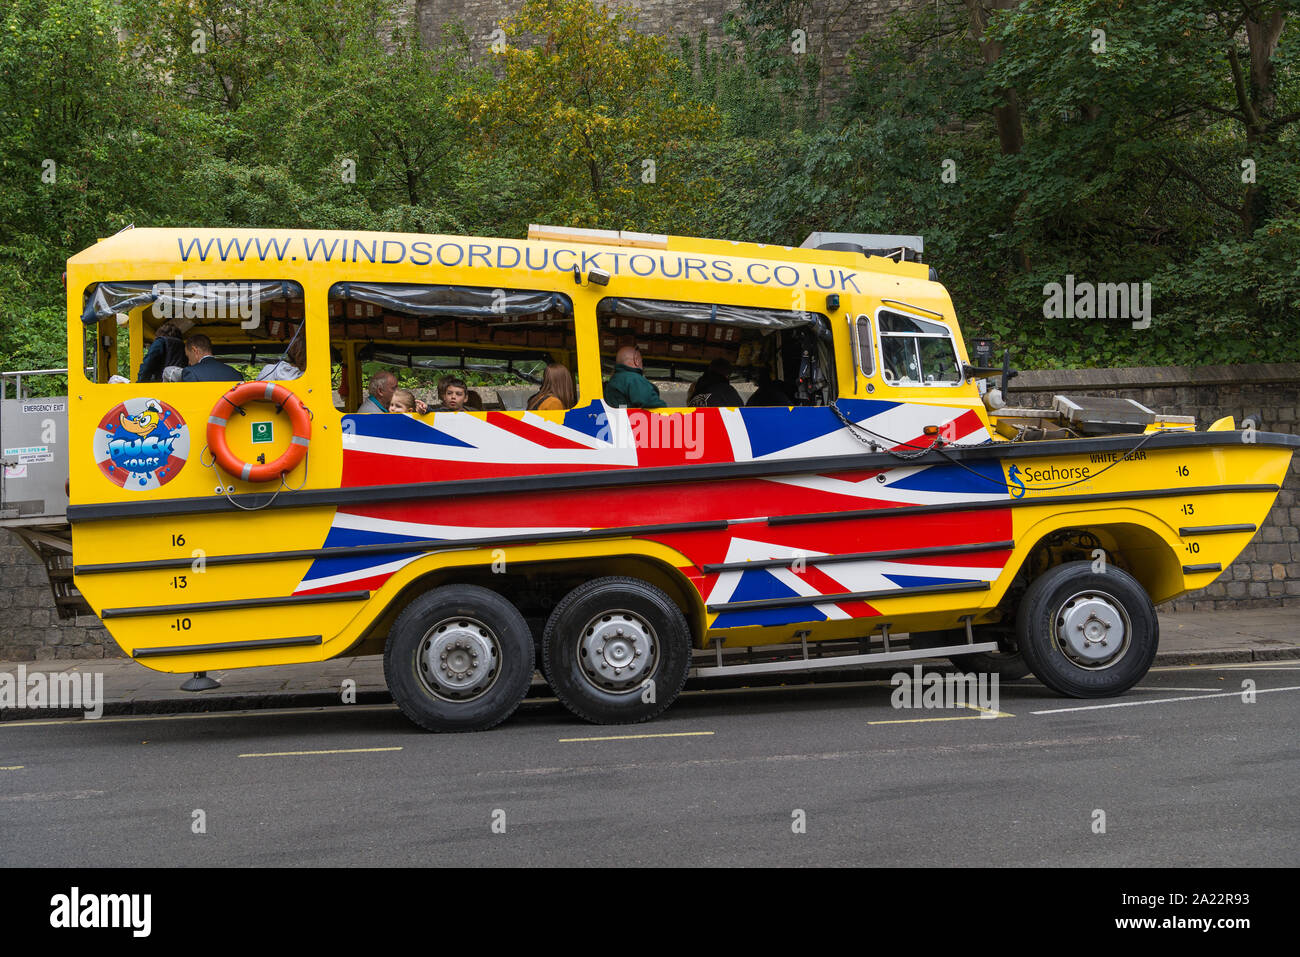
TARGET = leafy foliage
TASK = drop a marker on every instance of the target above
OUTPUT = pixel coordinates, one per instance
(599, 107)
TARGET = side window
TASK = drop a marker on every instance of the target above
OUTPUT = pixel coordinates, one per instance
(440, 348)
(107, 356)
(866, 348)
(656, 353)
(917, 352)
(200, 330)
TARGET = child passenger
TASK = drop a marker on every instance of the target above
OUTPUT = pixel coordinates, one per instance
(454, 394)
(403, 401)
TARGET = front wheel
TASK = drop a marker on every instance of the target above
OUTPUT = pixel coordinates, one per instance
(616, 651)
(1087, 634)
(459, 658)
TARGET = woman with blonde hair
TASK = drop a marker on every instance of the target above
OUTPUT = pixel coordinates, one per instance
(557, 391)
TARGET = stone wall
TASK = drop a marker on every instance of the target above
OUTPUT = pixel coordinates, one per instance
(1268, 572)
(30, 626)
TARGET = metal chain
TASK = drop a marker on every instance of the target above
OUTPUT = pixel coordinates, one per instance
(892, 449)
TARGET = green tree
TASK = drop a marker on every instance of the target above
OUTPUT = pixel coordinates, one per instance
(79, 130)
(599, 109)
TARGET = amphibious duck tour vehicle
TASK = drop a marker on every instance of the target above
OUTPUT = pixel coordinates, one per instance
(868, 502)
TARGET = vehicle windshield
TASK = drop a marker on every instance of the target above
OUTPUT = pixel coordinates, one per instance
(917, 352)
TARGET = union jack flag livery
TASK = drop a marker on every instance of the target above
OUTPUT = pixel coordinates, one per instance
(465, 449)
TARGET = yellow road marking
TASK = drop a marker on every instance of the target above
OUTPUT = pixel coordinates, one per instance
(990, 712)
(251, 712)
(632, 737)
(287, 754)
(985, 714)
(13, 767)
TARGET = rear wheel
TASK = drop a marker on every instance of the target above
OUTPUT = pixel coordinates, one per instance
(1087, 634)
(459, 658)
(616, 651)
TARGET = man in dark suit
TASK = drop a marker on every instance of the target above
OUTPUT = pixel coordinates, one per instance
(204, 367)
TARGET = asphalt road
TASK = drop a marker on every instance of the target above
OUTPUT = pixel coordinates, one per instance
(1183, 779)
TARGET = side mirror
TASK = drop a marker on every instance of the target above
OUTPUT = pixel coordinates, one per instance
(983, 367)
(1008, 373)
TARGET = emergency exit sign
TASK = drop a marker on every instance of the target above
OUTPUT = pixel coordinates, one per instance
(262, 432)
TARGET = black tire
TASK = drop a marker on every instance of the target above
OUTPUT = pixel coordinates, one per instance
(464, 626)
(1007, 665)
(1087, 634)
(653, 629)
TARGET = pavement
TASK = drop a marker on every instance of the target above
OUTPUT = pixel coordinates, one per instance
(1221, 637)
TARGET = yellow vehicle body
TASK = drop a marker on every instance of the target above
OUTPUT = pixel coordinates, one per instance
(909, 512)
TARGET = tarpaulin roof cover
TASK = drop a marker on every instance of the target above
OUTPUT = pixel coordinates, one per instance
(193, 298)
(770, 319)
(469, 301)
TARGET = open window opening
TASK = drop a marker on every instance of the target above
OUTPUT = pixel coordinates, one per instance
(723, 355)
(452, 348)
(194, 331)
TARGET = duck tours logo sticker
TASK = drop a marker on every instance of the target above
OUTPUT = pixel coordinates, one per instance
(141, 444)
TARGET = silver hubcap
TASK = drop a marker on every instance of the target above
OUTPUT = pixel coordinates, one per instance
(459, 659)
(617, 651)
(1093, 630)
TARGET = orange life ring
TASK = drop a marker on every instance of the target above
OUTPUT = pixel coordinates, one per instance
(234, 401)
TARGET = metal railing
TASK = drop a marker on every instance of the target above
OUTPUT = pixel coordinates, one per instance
(19, 394)
(18, 380)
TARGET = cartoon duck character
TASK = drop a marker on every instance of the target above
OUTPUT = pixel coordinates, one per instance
(142, 423)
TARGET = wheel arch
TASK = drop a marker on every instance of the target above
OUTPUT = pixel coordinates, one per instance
(1140, 543)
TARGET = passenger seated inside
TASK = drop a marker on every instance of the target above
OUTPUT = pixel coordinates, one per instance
(454, 394)
(291, 366)
(473, 401)
(628, 386)
(770, 392)
(204, 366)
(714, 389)
(167, 349)
(403, 401)
(557, 391)
(382, 386)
